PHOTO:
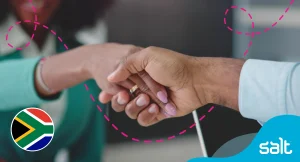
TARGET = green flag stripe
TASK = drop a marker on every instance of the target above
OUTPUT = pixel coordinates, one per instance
(34, 135)
(29, 138)
(40, 129)
(32, 122)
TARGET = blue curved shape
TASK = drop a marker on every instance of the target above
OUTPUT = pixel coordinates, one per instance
(280, 136)
(40, 144)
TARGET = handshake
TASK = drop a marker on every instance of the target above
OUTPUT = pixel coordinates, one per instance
(149, 84)
(156, 83)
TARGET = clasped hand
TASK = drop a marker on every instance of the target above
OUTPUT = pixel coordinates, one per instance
(171, 85)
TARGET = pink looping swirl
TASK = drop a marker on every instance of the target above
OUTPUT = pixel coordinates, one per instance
(252, 35)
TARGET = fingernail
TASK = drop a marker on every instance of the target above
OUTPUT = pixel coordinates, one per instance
(121, 101)
(162, 96)
(167, 115)
(171, 110)
(152, 109)
(141, 101)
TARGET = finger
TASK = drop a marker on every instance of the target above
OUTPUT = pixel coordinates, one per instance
(128, 84)
(148, 116)
(119, 101)
(134, 107)
(168, 108)
(162, 115)
(113, 88)
(155, 87)
(105, 97)
(130, 64)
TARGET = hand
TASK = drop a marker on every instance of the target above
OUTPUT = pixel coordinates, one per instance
(192, 82)
(145, 107)
(89, 62)
(114, 54)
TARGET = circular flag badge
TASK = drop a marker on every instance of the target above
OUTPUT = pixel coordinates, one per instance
(32, 129)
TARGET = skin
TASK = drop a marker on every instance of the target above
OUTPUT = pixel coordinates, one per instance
(191, 82)
(86, 62)
(57, 73)
(73, 67)
(45, 9)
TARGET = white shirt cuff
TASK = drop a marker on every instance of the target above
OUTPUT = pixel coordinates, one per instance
(262, 89)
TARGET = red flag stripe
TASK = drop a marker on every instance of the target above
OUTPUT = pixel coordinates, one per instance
(40, 114)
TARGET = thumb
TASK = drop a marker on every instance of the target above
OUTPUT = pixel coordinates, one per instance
(131, 64)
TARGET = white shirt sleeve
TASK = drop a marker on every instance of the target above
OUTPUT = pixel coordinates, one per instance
(268, 89)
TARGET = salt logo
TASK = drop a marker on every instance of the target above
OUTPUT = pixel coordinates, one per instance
(275, 148)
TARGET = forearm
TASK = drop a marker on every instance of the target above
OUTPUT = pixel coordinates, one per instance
(63, 71)
(258, 89)
(219, 78)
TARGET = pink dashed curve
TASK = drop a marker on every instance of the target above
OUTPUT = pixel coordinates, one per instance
(36, 23)
(86, 86)
(252, 34)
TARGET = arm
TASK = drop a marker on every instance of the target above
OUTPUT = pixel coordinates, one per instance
(268, 89)
(258, 89)
(17, 84)
(19, 87)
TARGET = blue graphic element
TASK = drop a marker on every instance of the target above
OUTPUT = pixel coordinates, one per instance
(279, 138)
(40, 144)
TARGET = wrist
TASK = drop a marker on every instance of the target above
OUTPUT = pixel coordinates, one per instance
(203, 82)
(40, 86)
(217, 80)
(64, 70)
(85, 66)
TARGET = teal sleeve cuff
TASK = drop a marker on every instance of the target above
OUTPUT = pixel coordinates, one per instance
(263, 89)
(17, 89)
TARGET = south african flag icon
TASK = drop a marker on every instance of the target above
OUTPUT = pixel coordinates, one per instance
(32, 129)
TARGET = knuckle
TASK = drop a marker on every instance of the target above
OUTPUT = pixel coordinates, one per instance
(115, 105)
(99, 98)
(124, 60)
(116, 108)
(132, 49)
(144, 88)
(150, 49)
(143, 74)
(142, 122)
(130, 111)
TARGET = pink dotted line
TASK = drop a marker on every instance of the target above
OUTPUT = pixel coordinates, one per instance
(86, 87)
(26, 21)
(252, 34)
(93, 99)
(145, 141)
(32, 36)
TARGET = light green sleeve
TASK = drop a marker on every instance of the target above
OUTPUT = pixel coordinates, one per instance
(17, 88)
